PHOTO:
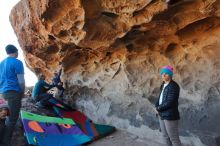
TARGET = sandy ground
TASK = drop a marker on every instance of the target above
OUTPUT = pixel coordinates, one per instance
(118, 138)
(122, 138)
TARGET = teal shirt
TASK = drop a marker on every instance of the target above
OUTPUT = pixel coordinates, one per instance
(38, 88)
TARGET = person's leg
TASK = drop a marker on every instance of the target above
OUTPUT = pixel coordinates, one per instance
(172, 130)
(166, 138)
(36, 99)
(45, 99)
(61, 91)
(2, 127)
(14, 104)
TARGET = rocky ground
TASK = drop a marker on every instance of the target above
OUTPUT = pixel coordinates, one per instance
(121, 138)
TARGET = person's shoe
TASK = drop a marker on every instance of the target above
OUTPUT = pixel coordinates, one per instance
(39, 105)
(32, 101)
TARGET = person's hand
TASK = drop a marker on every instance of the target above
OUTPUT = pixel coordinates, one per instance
(155, 110)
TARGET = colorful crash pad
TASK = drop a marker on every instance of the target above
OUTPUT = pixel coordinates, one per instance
(51, 131)
(86, 125)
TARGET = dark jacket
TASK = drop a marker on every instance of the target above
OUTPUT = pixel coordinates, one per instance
(168, 110)
(56, 78)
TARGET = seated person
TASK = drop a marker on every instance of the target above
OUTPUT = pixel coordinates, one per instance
(56, 81)
(39, 93)
(4, 112)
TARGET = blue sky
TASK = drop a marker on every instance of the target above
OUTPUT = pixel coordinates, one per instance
(7, 36)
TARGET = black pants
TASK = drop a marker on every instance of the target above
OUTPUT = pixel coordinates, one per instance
(14, 103)
(59, 87)
(2, 127)
(44, 99)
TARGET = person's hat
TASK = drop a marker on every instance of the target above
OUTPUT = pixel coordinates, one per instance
(10, 49)
(167, 70)
(3, 103)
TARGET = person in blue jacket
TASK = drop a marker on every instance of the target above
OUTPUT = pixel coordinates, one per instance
(167, 107)
(56, 81)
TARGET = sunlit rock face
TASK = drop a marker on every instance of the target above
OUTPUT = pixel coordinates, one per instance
(112, 50)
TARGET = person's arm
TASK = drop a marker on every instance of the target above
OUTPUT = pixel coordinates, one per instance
(48, 86)
(158, 99)
(157, 102)
(59, 74)
(19, 70)
(172, 99)
(21, 82)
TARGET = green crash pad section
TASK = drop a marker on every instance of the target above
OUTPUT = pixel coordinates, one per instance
(45, 119)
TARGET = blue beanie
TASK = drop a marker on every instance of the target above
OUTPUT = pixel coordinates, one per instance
(167, 70)
(10, 49)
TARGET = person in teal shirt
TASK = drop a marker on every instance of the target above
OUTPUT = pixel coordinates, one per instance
(39, 93)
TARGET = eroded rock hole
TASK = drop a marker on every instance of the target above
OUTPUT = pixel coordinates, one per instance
(108, 14)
